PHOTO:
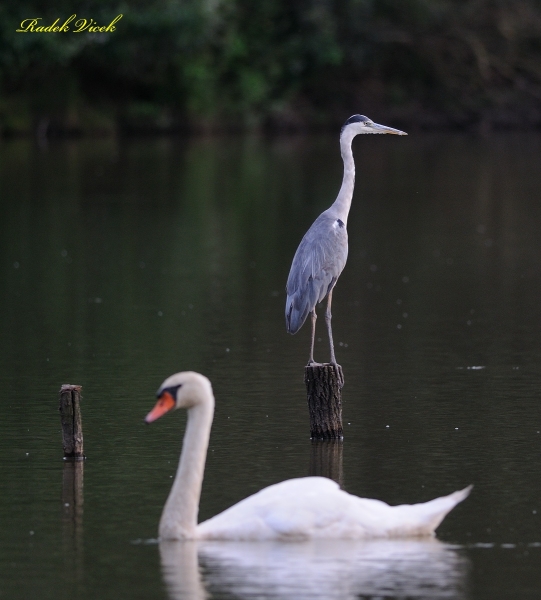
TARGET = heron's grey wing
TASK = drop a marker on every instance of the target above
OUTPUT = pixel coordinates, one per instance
(316, 266)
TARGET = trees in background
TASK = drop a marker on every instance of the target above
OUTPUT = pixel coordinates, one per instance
(281, 64)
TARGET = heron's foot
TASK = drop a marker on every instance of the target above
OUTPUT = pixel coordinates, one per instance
(339, 373)
(337, 370)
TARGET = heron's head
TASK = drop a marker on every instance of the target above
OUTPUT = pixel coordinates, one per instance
(182, 390)
(358, 124)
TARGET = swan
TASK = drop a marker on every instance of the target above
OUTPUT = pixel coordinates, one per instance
(296, 509)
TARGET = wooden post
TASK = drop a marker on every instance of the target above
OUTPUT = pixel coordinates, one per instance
(326, 460)
(70, 416)
(323, 387)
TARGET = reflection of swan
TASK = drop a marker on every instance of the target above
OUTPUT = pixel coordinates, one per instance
(424, 569)
(311, 507)
(181, 570)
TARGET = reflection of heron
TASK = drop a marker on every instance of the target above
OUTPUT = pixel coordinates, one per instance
(310, 507)
(425, 569)
(323, 251)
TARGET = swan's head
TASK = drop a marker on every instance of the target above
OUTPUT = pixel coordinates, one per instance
(181, 390)
(358, 124)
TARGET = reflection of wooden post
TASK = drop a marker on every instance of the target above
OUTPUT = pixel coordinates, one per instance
(72, 493)
(72, 427)
(324, 402)
(72, 517)
(326, 460)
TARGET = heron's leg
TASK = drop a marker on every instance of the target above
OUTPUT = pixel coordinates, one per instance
(313, 318)
(328, 318)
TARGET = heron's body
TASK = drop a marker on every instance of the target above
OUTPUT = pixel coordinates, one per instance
(296, 509)
(322, 253)
(315, 273)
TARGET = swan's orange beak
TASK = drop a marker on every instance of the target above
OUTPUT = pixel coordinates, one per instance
(165, 403)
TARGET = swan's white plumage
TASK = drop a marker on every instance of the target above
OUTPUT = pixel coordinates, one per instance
(296, 509)
(315, 507)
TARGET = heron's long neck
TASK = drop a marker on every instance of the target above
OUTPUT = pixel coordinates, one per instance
(343, 202)
(179, 517)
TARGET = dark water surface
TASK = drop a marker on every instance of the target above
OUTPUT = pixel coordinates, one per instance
(122, 263)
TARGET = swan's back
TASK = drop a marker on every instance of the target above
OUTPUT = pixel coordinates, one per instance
(281, 511)
(315, 507)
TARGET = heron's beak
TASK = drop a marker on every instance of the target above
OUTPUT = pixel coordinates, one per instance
(377, 128)
(165, 403)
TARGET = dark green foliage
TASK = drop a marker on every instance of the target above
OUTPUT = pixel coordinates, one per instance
(222, 64)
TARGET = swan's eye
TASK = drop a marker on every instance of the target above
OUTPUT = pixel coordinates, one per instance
(170, 390)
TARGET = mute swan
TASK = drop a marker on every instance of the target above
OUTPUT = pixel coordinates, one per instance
(297, 509)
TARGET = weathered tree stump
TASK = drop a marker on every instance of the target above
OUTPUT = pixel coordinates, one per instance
(326, 460)
(324, 390)
(70, 416)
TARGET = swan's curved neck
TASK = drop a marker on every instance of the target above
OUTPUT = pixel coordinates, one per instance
(342, 203)
(179, 517)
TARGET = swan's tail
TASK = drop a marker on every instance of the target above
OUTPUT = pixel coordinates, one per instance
(424, 518)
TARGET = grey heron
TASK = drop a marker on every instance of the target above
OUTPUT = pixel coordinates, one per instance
(322, 253)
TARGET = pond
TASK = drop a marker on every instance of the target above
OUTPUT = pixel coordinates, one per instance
(123, 262)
